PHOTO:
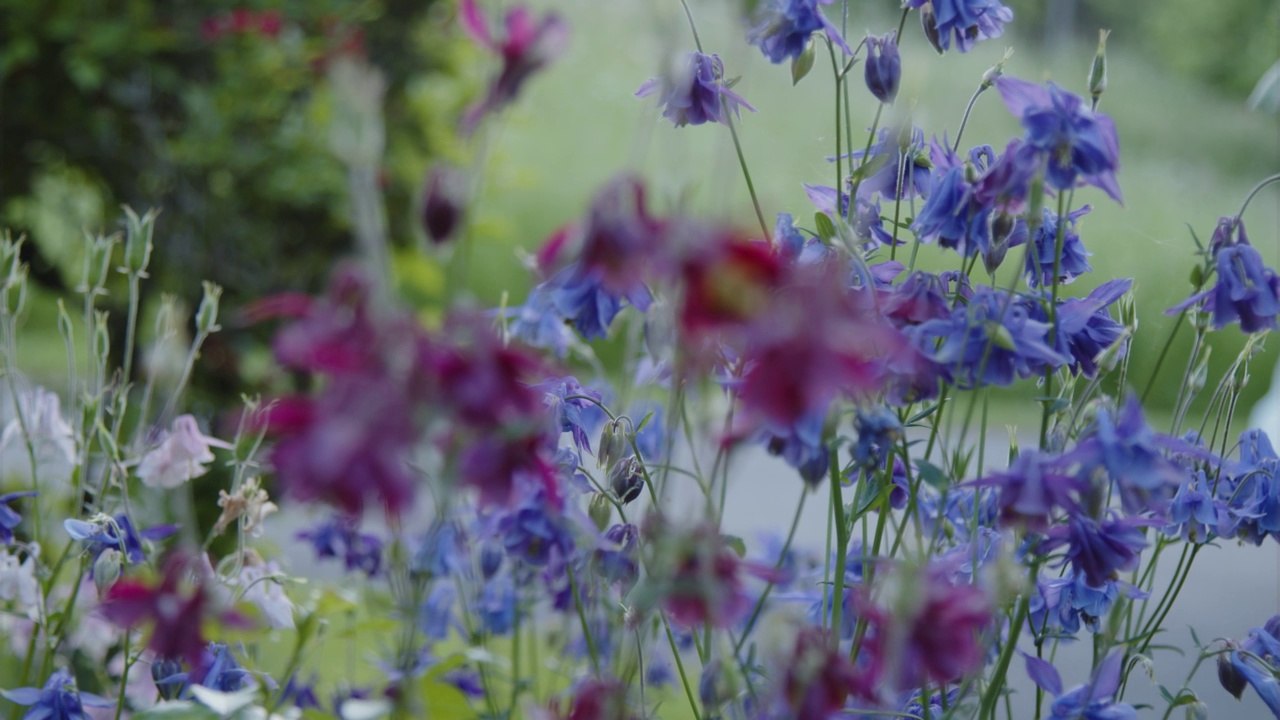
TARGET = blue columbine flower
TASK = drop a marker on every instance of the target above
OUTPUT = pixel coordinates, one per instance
(338, 537)
(539, 324)
(695, 93)
(878, 429)
(57, 700)
(1085, 327)
(992, 341)
(967, 21)
(587, 304)
(1099, 549)
(897, 165)
(443, 551)
(883, 67)
(534, 529)
(1074, 262)
(800, 444)
(1256, 661)
(783, 28)
(1032, 488)
(617, 558)
(1247, 290)
(1078, 144)
(115, 533)
(1094, 700)
(1132, 453)
(1252, 496)
(1193, 514)
(952, 217)
(573, 413)
(9, 518)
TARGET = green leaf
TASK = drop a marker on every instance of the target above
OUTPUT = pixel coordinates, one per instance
(802, 63)
(445, 701)
(644, 421)
(933, 475)
(737, 544)
(826, 228)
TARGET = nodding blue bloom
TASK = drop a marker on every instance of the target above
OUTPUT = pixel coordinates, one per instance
(1078, 144)
(338, 537)
(883, 67)
(586, 304)
(1006, 183)
(497, 605)
(1062, 603)
(617, 558)
(220, 672)
(534, 529)
(1099, 549)
(1032, 488)
(573, 415)
(967, 21)
(783, 28)
(1257, 667)
(952, 217)
(443, 551)
(991, 341)
(1132, 453)
(57, 700)
(1085, 327)
(9, 518)
(436, 617)
(695, 93)
(538, 323)
(1094, 700)
(920, 298)
(1252, 497)
(800, 444)
(115, 533)
(898, 164)
(878, 430)
(1074, 262)
(1247, 291)
(1193, 514)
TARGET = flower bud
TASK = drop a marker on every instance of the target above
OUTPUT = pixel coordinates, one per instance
(137, 242)
(1229, 677)
(600, 511)
(1197, 710)
(162, 670)
(883, 69)
(803, 63)
(97, 262)
(1002, 226)
(207, 314)
(1098, 72)
(13, 294)
(106, 570)
(101, 339)
(444, 202)
(612, 446)
(491, 556)
(626, 480)
(929, 22)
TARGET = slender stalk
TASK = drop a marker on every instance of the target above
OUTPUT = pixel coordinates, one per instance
(842, 547)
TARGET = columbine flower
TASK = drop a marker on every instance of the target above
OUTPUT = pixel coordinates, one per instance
(9, 518)
(966, 20)
(115, 533)
(1074, 262)
(952, 217)
(702, 576)
(338, 538)
(249, 502)
(801, 445)
(444, 202)
(572, 414)
(1079, 145)
(1033, 487)
(18, 579)
(51, 438)
(1247, 290)
(534, 529)
(582, 300)
(990, 341)
(897, 165)
(1099, 550)
(816, 677)
(878, 430)
(59, 699)
(883, 67)
(1085, 327)
(1133, 455)
(526, 46)
(1095, 700)
(266, 592)
(695, 92)
(921, 297)
(783, 28)
(1193, 514)
(181, 456)
(176, 608)
(1255, 661)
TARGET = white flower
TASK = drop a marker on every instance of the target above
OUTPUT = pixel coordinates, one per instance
(181, 456)
(250, 502)
(18, 582)
(52, 439)
(267, 594)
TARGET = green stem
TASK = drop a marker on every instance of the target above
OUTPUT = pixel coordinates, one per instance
(842, 547)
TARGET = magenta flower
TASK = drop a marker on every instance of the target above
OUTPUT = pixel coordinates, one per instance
(176, 610)
(526, 46)
(621, 243)
(819, 678)
(695, 92)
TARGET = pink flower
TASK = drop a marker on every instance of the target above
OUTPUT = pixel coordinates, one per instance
(526, 46)
(181, 456)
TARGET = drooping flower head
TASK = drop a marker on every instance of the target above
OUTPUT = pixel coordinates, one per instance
(1247, 291)
(1099, 549)
(694, 92)
(964, 21)
(9, 518)
(1040, 260)
(1078, 145)
(338, 537)
(58, 699)
(783, 28)
(182, 455)
(1086, 328)
(115, 533)
(1094, 700)
(525, 46)
(1032, 489)
(1133, 455)
(883, 67)
(621, 242)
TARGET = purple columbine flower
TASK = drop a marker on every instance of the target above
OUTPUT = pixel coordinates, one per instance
(1032, 488)
(989, 342)
(1085, 327)
(526, 46)
(801, 445)
(1006, 184)
(1074, 261)
(897, 165)
(1132, 453)
(783, 28)
(617, 557)
(883, 67)
(1079, 145)
(1252, 496)
(59, 699)
(695, 93)
(9, 518)
(968, 21)
(1255, 661)
(1247, 290)
(572, 414)
(534, 529)
(584, 302)
(1193, 514)
(878, 430)
(920, 298)
(952, 217)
